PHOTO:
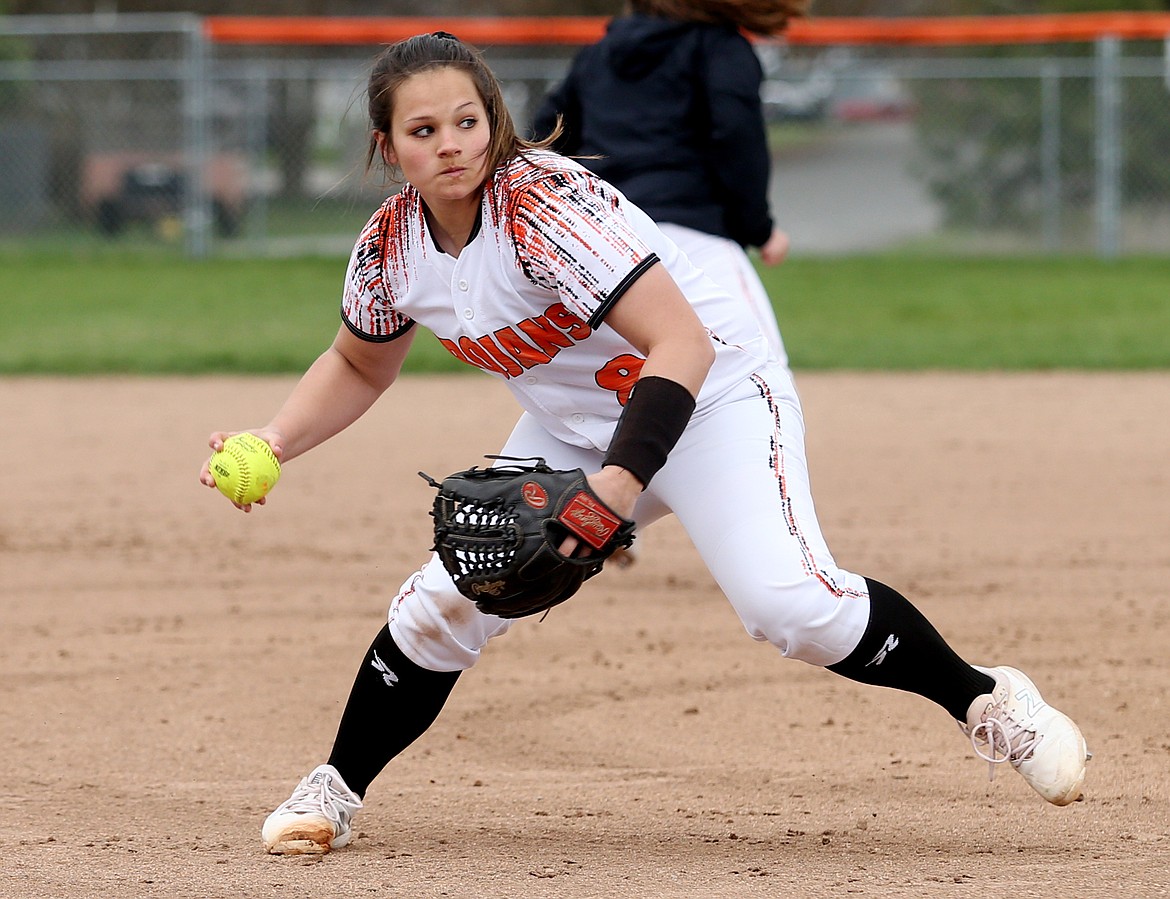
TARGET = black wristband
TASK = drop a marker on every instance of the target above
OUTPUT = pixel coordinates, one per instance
(655, 417)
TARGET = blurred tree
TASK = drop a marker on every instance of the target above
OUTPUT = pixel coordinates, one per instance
(981, 139)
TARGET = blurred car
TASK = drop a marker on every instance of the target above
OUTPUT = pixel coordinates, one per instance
(801, 101)
(121, 190)
(871, 96)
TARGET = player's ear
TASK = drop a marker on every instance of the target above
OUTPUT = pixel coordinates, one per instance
(385, 148)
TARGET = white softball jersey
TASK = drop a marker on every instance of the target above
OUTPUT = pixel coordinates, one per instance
(526, 299)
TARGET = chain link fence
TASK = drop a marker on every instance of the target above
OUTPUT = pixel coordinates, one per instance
(136, 131)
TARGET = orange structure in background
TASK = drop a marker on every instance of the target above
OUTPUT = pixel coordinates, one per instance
(1040, 29)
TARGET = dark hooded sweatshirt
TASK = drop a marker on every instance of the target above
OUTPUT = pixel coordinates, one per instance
(673, 110)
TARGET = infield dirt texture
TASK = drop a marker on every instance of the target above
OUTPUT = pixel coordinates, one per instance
(171, 667)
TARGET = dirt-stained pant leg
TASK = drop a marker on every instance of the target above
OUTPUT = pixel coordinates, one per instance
(435, 626)
(431, 621)
(738, 482)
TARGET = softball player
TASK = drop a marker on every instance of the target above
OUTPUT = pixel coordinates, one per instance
(530, 267)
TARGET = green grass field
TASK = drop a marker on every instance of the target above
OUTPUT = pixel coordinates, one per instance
(151, 314)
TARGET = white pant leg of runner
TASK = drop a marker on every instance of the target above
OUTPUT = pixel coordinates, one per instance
(727, 264)
(738, 482)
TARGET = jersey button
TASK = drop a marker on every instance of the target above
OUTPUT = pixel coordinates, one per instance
(531, 379)
(469, 313)
(578, 418)
(462, 285)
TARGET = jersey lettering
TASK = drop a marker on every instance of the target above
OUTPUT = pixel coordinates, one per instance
(527, 355)
(620, 374)
(506, 353)
(571, 324)
(478, 357)
(511, 369)
(541, 331)
(453, 348)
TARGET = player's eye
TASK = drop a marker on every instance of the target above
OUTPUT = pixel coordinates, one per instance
(468, 122)
(423, 131)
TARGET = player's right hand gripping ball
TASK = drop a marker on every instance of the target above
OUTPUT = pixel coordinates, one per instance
(498, 530)
(245, 469)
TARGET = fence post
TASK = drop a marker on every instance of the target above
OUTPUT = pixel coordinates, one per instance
(197, 216)
(1166, 61)
(1109, 149)
(1050, 153)
(256, 200)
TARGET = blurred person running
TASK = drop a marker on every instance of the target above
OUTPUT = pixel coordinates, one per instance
(666, 107)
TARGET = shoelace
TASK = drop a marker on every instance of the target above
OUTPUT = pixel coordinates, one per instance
(1008, 740)
(310, 798)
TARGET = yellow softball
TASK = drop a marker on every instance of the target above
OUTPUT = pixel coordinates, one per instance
(245, 469)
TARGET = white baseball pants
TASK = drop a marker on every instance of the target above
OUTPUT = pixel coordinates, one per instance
(738, 482)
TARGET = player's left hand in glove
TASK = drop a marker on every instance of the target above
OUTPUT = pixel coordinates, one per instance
(499, 530)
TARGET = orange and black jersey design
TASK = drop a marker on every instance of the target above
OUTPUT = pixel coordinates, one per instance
(526, 299)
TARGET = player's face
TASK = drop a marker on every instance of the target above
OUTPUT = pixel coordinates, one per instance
(439, 135)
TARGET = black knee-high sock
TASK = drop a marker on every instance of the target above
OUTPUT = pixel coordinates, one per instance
(391, 704)
(902, 650)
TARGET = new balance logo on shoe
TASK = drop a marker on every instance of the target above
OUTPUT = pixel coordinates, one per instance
(1031, 700)
(387, 675)
(889, 646)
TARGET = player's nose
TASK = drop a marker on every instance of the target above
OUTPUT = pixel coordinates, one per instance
(449, 145)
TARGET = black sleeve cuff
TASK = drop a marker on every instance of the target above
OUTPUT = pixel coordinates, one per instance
(375, 338)
(616, 294)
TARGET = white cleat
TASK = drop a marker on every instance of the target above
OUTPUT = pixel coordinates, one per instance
(315, 818)
(1014, 724)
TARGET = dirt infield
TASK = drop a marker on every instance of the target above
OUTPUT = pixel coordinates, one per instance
(171, 667)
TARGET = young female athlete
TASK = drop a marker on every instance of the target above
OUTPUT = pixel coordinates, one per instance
(526, 265)
(666, 108)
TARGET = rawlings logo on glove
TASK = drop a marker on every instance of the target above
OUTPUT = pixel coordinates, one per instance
(498, 532)
(589, 519)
